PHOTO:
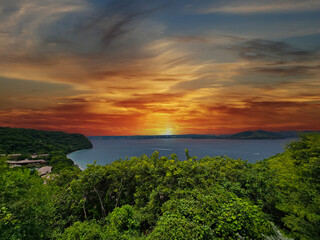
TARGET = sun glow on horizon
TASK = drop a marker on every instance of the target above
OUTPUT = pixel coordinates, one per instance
(168, 131)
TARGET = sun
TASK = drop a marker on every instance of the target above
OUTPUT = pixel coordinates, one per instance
(168, 131)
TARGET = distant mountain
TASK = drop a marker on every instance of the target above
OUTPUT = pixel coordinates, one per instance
(259, 134)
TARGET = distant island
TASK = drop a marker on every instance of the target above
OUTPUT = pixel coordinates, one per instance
(259, 134)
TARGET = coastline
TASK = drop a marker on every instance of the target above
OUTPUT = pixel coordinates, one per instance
(74, 161)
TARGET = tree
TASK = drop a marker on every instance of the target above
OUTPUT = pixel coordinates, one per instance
(298, 186)
(26, 204)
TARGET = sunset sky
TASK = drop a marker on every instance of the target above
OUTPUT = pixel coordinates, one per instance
(160, 67)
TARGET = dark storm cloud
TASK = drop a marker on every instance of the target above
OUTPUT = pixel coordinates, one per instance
(273, 52)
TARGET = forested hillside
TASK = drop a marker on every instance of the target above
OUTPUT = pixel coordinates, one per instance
(20, 140)
(166, 198)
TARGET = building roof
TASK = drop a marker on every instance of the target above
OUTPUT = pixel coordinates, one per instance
(39, 155)
(27, 161)
(14, 155)
(44, 170)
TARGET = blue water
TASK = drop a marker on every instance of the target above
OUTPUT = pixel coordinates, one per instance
(105, 151)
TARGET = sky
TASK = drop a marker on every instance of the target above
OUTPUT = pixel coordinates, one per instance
(141, 67)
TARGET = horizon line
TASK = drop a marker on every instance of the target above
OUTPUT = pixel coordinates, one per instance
(209, 134)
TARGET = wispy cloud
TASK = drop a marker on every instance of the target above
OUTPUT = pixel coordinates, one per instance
(273, 51)
(116, 17)
(296, 70)
(137, 67)
(256, 7)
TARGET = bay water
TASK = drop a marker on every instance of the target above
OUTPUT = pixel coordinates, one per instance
(105, 151)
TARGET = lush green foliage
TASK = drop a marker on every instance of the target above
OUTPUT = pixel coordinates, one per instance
(165, 198)
(157, 189)
(26, 204)
(298, 185)
(215, 213)
(20, 140)
(58, 160)
(87, 230)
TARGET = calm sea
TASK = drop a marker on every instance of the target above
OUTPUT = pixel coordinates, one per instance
(105, 151)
